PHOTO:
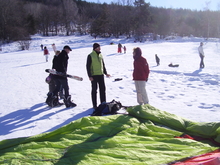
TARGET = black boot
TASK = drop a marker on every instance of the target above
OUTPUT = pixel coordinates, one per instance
(56, 102)
(68, 102)
(51, 100)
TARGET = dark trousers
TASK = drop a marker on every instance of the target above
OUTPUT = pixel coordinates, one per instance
(52, 87)
(98, 81)
(157, 60)
(62, 82)
(202, 65)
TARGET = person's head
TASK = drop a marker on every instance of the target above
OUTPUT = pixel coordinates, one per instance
(137, 53)
(201, 43)
(45, 47)
(67, 49)
(96, 47)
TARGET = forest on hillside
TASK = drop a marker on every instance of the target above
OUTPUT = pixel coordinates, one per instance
(131, 18)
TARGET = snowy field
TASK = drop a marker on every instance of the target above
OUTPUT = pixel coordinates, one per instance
(186, 91)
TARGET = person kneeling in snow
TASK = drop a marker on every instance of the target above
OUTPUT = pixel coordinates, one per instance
(60, 65)
(52, 84)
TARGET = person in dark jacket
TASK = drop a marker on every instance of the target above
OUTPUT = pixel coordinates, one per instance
(42, 47)
(140, 76)
(60, 64)
(157, 60)
(96, 69)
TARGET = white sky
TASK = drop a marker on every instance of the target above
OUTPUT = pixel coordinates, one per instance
(186, 4)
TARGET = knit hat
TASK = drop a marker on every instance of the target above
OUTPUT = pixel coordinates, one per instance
(95, 45)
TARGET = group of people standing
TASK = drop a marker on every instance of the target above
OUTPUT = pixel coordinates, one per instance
(96, 70)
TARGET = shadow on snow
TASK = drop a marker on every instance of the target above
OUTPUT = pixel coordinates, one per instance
(20, 119)
(194, 76)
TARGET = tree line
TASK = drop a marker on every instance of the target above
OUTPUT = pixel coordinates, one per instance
(134, 18)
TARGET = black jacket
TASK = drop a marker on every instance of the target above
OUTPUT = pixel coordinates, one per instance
(60, 62)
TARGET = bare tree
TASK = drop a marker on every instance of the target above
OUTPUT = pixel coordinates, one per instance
(11, 20)
(207, 16)
(218, 26)
(24, 44)
(82, 22)
(38, 11)
(141, 18)
(70, 11)
(119, 19)
(126, 2)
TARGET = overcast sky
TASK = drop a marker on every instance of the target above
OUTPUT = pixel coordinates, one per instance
(185, 4)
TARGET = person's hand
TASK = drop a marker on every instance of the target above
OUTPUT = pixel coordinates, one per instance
(91, 78)
(108, 75)
(146, 79)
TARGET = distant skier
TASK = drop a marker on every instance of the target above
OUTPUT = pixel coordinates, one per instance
(202, 55)
(42, 47)
(124, 49)
(46, 53)
(119, 47)
(157, 59)
(54, 48)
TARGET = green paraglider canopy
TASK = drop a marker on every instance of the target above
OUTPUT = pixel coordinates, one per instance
(145, 136)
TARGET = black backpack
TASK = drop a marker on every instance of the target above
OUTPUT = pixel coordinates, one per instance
(108, 108)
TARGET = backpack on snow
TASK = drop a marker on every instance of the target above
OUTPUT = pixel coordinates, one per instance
(107, 108)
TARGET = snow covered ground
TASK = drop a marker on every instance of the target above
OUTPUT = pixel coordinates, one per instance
(186, 91)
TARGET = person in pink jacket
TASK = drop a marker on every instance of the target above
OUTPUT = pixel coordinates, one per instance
(140, 76)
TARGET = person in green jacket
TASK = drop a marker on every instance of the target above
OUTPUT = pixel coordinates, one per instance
(96, 69)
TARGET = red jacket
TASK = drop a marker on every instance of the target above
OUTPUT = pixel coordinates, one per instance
(141, 69)
(46, 52)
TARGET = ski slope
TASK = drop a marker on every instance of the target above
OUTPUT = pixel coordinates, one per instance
(186, 91)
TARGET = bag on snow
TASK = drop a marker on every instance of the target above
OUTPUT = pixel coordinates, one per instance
(107, 108)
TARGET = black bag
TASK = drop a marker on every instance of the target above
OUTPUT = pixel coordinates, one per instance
(107, 108)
